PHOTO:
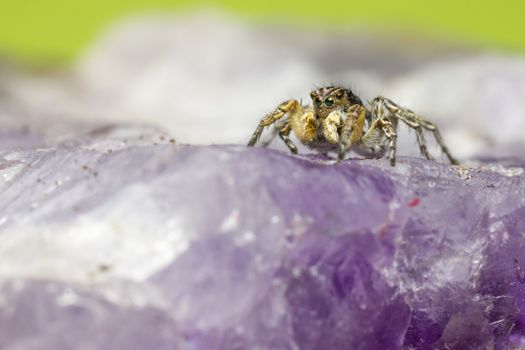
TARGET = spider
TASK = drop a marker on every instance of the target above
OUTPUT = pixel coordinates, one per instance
(337, 120)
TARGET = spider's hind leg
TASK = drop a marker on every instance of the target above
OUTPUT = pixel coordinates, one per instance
(390, 133)
(437, 135)
(422, 143)
(415, 122)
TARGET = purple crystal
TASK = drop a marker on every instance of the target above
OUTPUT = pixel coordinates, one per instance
(141, 244)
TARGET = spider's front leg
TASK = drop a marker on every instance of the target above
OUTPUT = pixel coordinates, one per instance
(284, 135)
(304, 125)
(290, 106)
(352, 129)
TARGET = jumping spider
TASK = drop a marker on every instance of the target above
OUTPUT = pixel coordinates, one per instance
(338, 121)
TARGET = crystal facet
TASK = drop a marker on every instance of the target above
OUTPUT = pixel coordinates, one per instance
(140, 243)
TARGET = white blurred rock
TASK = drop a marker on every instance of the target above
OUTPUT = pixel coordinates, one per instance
(208, 78)
(481, 98)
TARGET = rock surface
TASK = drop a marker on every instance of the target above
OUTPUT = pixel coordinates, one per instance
(153, 245)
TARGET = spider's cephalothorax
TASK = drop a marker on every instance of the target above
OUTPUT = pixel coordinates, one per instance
(338, 120)
(327, 99)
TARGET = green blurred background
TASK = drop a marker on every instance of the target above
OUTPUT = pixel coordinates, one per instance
(43, 30)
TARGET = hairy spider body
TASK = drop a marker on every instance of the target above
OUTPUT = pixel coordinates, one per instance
(337, 120)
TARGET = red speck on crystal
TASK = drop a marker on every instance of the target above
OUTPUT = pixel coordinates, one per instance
(414, 202)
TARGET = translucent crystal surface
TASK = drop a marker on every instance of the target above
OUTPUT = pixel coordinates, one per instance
(139, 243)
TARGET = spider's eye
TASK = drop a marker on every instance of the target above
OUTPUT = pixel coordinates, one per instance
(329, 102)
(318, 102)
(339, 95)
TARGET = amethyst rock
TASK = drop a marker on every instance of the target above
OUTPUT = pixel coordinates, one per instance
(137, 243)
